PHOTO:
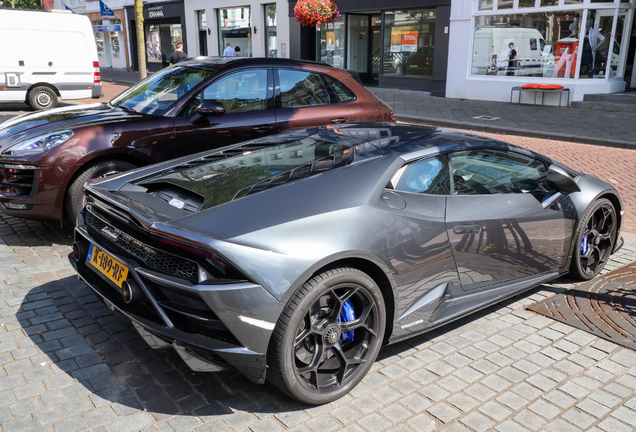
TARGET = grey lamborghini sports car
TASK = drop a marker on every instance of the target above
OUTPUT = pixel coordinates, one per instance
(294, 258)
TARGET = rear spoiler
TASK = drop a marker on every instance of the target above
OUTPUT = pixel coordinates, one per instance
(355, 76)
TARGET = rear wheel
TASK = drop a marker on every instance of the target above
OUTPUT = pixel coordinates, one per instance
(327, 337)
(595, 238)
(75, 200)
(42, 98)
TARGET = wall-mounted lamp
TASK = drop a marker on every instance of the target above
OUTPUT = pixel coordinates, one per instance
(254, 29)
(209, 31)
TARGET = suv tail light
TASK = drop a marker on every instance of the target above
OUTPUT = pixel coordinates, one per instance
(389, 117)
(97, 77)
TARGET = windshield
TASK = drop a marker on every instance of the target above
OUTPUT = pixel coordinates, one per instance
(228, 179)
(158, 92)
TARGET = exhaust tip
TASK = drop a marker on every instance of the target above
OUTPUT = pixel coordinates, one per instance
(80, 250)
(131, 291)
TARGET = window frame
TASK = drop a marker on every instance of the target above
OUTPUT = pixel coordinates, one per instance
(332, 95)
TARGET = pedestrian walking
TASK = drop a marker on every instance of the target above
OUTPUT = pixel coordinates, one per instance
(178, 54)
(229, 51)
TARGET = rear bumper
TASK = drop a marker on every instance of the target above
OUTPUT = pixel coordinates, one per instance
(97, 91)
(201, 351)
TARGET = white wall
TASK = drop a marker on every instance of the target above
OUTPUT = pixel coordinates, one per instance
(460, 84)
(258, 21)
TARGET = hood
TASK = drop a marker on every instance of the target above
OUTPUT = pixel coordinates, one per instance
(38, 123)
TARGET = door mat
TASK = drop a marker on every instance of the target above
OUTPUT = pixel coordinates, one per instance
(605, 306)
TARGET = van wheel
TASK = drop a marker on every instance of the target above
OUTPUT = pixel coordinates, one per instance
(42, 98)
(75, 199)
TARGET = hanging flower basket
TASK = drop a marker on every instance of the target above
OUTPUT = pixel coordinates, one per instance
(312, 13)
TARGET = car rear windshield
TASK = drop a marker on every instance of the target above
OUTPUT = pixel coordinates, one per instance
(158, 92)
(228, 179)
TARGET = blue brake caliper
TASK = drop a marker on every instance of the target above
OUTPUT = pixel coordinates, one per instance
(584, 245)
(347, 314)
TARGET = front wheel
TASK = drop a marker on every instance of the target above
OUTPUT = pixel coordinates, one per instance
(75, 200)
(327, 337)
(594, 240)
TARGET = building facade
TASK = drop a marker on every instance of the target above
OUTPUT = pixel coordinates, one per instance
(256, 28)
(164, 25)
(586, 46)
(390, 43)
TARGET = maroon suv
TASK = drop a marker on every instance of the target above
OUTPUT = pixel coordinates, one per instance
(196, 105)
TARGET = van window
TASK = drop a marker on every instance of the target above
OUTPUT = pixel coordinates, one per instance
(542, 44)
(533, 44)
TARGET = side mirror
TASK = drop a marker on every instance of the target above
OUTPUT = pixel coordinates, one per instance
(210, 108)
(559, 180)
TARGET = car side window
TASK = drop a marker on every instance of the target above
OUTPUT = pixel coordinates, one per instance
(340, 92)
(238, 92)
(490, 171)
(301, 89)
(428, 176)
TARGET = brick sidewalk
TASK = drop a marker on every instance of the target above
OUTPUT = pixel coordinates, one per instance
(68, 365)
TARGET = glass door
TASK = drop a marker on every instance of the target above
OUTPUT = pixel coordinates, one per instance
(364, 45)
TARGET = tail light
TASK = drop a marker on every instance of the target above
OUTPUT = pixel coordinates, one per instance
(389, 117)
(97, 77)
(493, 62)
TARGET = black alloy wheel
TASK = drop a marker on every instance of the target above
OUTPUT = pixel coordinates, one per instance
(328, 336)
(595, 239)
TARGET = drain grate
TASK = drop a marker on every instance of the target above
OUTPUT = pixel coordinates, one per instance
(486, 117)
(605, 306)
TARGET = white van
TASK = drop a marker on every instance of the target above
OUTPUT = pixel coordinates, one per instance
(47, 56)
(490, 52)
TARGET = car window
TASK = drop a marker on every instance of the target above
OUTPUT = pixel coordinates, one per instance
(301, 89)
(488, 171)
(240, 91)
(339, 91)
(428, 176)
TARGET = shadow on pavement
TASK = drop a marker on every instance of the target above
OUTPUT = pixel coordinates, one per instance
(83, 339)
(16, 232)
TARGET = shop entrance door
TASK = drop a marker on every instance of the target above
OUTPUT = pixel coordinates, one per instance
(364, 46)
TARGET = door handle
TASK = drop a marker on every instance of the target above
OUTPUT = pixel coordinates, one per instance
(262, 128)
(467, 229)
(339, 120)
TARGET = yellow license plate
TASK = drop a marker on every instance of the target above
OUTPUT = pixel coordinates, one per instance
(107, 265)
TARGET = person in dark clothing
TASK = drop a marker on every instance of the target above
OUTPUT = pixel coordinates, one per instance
(178, 55)
(512, 59)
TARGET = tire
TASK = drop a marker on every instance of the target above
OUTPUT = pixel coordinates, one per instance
(42, 98)
(74, 202)
(310, 338)
(594, 240)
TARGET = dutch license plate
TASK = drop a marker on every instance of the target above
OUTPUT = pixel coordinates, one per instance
(107, 265)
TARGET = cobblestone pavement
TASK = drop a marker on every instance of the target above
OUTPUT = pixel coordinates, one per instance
(67, 364)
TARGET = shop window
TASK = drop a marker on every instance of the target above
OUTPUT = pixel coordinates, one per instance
(203, 37)
(271, 49)
(486, 5)
(235, 31)
(301, 89)
(504, 4)
(526, 3)
(528, 45)
(598, 49)
(409, 42)
(99, 41)
(330, 43)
